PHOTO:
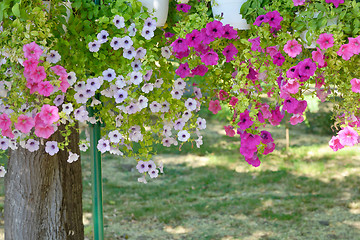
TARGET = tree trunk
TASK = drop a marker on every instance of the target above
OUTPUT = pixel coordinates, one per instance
(43, 194)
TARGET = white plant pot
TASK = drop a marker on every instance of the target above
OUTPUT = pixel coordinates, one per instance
(230, 11)
(160, 8)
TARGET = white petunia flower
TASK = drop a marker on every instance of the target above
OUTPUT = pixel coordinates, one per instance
(183, 135)
(13, 144)
(186, 115)
(151, 165)
(109, 74)
(81, 97)
(142, 179)
(103, 145)
(59, 99)
(143, 102)
(81, 114)
(132, 108)
(67, 108)
(142, 166)
(93, 84)
(120, 96)
(179, 124)
(119, 21)
(136, 65)
(4, 143)
(190, 104)
(165, 107)
(197, 92)
(53, 56)
(102, 36)
(115, 43)
(158, 83)
(94, 46)
(176, 94)
(83, 147)
(167, 130)
(32, 145)
(140, 53)
(201, 123)
(120, 83)
(147, 33)
(51, 147)
(150, 23)
(155, 107)
(147, 87)
(73, 157)
(129, 53)
(153, 173)
(115, 136)
(126, 42)
(132, 30)
(179, 84)
(2, 171)
(166, 52)
(71, 78)
(80, 86)
(199, 142)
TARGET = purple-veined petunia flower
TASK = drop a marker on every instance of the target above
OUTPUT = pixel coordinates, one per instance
(102, 36)
(199, 70)
(229, 52)
(183, 70)
(183, 7)
(215, 29)
(245, 120)
(119, 21)
(150, 23)
(278, 59)
(306, 68)
(210, 58)
(260, 19)
(229, 32)
(274, 19)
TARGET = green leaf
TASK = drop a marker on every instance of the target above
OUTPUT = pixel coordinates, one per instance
(16, 10)
(76, 5)
(320, 7)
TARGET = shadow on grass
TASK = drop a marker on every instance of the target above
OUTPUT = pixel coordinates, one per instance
(215, 202)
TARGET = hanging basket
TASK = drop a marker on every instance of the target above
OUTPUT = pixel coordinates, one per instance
(230, 11)
(160, 8)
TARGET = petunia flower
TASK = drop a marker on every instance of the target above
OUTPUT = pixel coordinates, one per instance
(325, 40)
(292, 48)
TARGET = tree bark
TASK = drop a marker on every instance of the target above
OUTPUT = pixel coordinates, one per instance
(43, 194)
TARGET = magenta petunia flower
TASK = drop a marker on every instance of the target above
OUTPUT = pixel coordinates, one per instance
(214, 106)
(194, 38)
(229, 32)
(306, 67)
(210, 58)
(345, 52)
(335, 2)
(276, 116)
(355, 44)
(355, 85)
(245, 120)
(272, 50)
(260, 19)
(278, 59)
(179, 45)
(253, 161)
(233, 101)
(169, 35)
(199, 70)
(291, 86)
(292, 48)
(255, 44)
(274, 19)
(183, 7)
(250, 140)
(32, 51)
(180, 55)
(348, 136)
(215, 29)
(183, 70)
(24, 123)
(266, 137)
(269, 148)
(335, 144)
(325, 40)
(229, 52)
(298, 2)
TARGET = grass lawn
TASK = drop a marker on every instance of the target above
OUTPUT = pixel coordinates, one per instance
(306, 192)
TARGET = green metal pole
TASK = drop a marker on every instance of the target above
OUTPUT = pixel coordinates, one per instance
(97, 199)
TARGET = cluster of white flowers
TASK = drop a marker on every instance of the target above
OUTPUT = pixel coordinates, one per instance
(150, 168)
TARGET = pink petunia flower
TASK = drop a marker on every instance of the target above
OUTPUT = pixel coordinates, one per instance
(291, 86)
(348, 136)
(49, 114)
(355, 44)
(200, 70)
(45, 88)
(32, 51)
(7, 133)
(245, 120)
(210, 58)
(229, 52)
(233, 101)
(30, 65)
(5, 121)
(276, 116)
(345, 51)
(59, 70)
(292, 48)
(325, 40)
(355, 85)
(272, 50)
(335, 144)
(223, 95)
(318, 56)
(24, 123)
(255, 44)
(229, 131)
(64, 84)
(296, 118)
(214, 106)
(38, 74)
(44, 131)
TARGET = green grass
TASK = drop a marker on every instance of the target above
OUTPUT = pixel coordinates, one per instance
(303, 193)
